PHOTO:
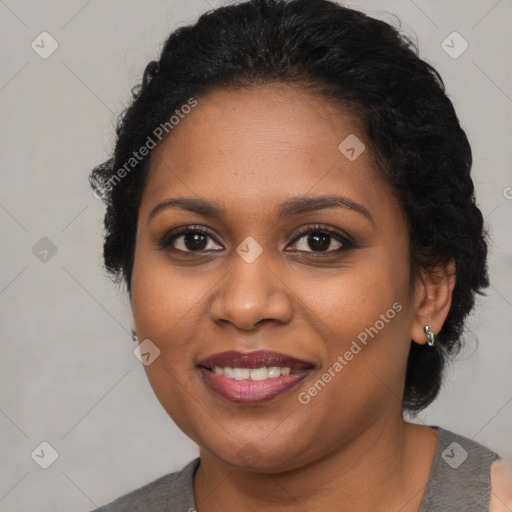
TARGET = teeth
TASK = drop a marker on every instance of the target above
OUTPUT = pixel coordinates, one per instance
(273, 371)
(241, 373)
(253, 373)
(228, 372)
(259, 374)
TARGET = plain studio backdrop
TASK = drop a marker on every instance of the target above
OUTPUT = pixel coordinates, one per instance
(68, 374)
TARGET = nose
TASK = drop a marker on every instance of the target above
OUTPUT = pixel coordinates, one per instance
(251, 294)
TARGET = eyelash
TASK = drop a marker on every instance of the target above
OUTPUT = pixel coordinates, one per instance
(345, 240)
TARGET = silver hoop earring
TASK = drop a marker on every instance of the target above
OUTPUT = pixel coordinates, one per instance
(431, 337)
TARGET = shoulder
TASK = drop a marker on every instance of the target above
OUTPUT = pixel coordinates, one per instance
(501, 486)
(157, 496)
(465, 474)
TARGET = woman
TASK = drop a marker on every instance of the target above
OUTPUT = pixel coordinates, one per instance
(290, 205)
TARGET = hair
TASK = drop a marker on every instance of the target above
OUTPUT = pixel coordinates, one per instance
(360, 63)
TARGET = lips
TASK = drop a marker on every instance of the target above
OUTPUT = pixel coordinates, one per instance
(261, 358)
(253, 377)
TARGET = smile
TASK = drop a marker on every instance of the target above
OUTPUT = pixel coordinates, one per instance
(252, 374)
(254, 377)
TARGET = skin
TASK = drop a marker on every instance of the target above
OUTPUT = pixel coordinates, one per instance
(248, 151)
(501, 486)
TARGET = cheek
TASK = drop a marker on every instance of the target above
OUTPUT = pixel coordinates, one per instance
(358, 296)
(365, 317)
(164, 298)
(165, 307)
(163, 304)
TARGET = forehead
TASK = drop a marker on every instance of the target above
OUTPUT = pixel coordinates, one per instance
(262, 144)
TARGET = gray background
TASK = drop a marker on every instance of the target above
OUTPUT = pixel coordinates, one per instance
(67, 372)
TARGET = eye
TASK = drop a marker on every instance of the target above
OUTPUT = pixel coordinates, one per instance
(320, 239)
(198, 239)
(189, 240)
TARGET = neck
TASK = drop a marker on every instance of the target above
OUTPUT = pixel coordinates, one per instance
(386, 467)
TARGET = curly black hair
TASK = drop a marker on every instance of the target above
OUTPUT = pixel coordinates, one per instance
(361, 63)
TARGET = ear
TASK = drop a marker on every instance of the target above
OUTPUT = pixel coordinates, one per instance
(433, 298)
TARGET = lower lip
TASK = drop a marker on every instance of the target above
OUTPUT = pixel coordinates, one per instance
(251, 391)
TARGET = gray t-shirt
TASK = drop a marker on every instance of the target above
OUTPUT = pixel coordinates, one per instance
(459, 481)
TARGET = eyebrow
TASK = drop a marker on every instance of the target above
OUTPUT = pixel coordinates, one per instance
(294, 206)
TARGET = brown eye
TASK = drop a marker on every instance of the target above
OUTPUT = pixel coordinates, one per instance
(320, 239)
(190, 240)
(317, 242)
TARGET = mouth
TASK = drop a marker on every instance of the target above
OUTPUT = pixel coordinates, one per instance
(253, 377)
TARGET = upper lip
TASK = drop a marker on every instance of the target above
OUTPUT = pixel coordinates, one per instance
(257, 359)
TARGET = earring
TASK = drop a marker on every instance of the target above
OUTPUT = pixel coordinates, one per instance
(134, 336)
(431, 337)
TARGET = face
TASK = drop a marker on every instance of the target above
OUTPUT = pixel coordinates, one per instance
(283, 319)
